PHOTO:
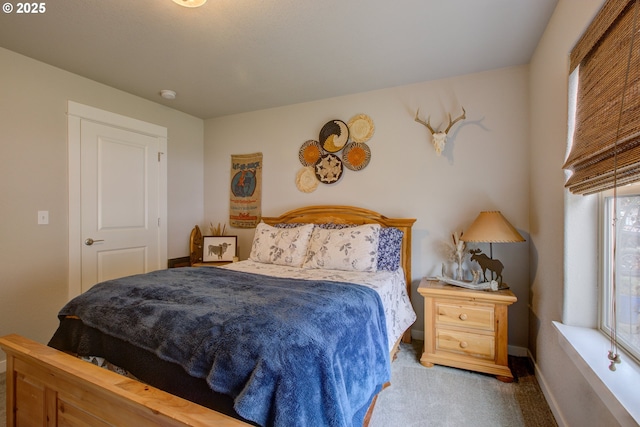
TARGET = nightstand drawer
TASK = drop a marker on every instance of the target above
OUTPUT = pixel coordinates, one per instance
(468, 316)
(478, 346)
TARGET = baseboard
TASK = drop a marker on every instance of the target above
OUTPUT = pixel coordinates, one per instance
(546, 391)
(518, 351)
(184, 261)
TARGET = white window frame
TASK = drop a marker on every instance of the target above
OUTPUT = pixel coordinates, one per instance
(605, 267)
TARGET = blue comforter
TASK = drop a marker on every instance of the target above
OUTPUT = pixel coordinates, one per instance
(289, 352)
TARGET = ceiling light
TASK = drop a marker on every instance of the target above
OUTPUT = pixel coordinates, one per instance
(168, 94)
(190, 3)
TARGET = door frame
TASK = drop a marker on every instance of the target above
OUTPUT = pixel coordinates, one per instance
(76, 113)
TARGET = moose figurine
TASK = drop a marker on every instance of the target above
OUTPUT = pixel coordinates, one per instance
(486, 263)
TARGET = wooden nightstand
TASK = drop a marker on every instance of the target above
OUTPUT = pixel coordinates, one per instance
(466, 329)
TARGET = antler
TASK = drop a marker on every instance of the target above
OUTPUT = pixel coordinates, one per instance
(422, 122)
(451, 123)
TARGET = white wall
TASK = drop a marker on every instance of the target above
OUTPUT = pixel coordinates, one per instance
(33, 176)
(573, 400)
(484, 166)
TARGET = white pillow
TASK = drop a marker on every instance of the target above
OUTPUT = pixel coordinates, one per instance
(354, 248)
(282, 246)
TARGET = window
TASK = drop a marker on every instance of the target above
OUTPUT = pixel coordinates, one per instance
(627, 266)
(604, 153)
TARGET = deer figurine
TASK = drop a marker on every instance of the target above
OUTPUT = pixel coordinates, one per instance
(439, 138)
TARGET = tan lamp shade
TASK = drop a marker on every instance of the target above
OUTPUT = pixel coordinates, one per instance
(491, 227)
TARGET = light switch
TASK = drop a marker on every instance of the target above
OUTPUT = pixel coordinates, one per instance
(43, 217)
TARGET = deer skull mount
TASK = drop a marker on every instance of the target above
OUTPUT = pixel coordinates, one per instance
(439, 138)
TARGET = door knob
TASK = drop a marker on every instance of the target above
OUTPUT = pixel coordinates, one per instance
(90, 241)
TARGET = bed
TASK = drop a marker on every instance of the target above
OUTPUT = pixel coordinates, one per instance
(47, 386)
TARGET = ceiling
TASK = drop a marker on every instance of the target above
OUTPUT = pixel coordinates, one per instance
(232, 56)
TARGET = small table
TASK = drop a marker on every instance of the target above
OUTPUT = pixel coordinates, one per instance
(465, 328)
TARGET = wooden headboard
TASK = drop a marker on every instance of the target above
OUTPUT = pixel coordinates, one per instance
(352, 215)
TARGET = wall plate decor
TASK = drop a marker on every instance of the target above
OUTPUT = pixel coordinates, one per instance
(339, 145)
(334, 135)
(306, 180)
(360, 128)
(356, 156)
(310, 152)
(329, 169)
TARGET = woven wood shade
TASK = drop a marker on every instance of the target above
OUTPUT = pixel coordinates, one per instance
(601, 130)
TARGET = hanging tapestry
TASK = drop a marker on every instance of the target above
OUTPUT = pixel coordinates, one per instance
(245, 207)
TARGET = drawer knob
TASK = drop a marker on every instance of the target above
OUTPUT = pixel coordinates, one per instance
(463, 344)
(463, 316)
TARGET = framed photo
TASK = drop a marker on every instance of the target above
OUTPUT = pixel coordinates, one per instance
(219, 248)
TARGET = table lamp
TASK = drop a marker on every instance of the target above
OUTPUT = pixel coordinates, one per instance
(490, 227)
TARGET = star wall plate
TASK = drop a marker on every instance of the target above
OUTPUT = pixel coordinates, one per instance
(329, 168)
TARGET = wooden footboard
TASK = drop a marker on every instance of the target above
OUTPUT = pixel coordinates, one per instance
(46, 387)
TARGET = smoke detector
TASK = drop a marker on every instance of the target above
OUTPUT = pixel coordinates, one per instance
(168, 94)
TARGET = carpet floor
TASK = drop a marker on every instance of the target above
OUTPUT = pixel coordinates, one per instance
(449, 397)
(445, 397)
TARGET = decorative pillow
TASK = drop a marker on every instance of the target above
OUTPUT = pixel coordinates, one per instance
(352, 248)
(282, 246)
(389, 245)
(289, 224)
(389, 248)
(335, 226)
(326, 225)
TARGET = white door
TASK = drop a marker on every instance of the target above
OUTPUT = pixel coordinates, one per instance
(121, 190)
(119, 196)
